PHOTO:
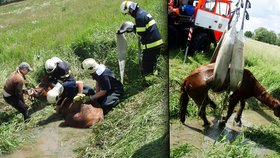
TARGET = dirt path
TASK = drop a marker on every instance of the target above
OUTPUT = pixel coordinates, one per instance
(193, 133)
(52, 141)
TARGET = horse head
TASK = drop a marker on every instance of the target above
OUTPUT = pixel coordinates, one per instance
(40, 90)
(276, 108)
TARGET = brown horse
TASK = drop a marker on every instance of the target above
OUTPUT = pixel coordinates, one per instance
(80, 115)
(198, 83)
(75, 114)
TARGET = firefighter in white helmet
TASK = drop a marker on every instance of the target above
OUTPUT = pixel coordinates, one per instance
(109, 90)
(146, 28)
(58, 71)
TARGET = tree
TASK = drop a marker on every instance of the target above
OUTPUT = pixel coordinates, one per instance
(263, 35)
(272, 37)
(249, 34)
(278, 39)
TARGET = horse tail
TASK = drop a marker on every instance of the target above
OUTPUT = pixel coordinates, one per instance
(184, 99)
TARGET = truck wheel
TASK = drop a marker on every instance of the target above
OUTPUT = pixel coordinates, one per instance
(200, 42)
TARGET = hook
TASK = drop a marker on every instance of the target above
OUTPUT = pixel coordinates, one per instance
(247, 15)
(249, 4)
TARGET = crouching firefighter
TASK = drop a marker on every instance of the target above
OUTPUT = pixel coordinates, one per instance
(146, 27)
(60, 75)
(108, 90)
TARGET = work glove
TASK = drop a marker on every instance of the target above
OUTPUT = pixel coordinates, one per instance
(86, 99)
(79, 97)
(126, 27)
(30, 92)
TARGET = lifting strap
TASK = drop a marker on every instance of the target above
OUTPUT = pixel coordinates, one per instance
(229, 55)
(122, 50)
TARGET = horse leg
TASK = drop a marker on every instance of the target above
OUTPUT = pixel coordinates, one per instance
(237, 119)
(202, 109)
(232, 102)
(202, 114)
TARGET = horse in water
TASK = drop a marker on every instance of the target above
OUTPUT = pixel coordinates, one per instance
(76, 114)
(198, 83)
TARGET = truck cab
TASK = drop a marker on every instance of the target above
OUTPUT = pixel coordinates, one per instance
(207, 19)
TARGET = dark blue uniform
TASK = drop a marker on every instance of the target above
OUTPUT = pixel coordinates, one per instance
(62, 75)
(151, 40)
(114, 88)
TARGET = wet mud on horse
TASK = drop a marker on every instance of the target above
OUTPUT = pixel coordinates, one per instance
(200, 81)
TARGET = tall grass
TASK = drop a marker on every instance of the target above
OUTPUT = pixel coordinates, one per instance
(35, 30)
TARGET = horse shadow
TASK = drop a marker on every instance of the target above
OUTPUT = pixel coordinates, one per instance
(6, 117)
(215, 132)
(271, 141)
(155, 149)
(2, 3)
(265, 115)
(37, 105)
(255, 106)
(52, 118)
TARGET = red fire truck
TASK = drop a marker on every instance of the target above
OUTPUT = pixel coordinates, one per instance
(197, 22)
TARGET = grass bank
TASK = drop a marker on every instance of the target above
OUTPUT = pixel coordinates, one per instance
(35, 30)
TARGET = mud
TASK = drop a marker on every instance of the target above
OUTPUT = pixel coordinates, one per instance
(192, 132)
(52, 141)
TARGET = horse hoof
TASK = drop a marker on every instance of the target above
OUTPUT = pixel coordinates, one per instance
(182, 120)
(206, 124)
(238, 122)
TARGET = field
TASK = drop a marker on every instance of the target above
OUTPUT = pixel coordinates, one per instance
(35, 30)
(259, 134)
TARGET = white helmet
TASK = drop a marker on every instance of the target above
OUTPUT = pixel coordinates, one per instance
(126, 5)
(90, 65)
(56, 59)
(52, 96)
(50, 65)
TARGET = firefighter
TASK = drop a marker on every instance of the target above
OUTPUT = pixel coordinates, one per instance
(146, 27)
(59, 72)
(13, 89)
(108, 90)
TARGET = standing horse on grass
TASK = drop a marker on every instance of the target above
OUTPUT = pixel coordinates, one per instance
(76, 114)
(198, 83)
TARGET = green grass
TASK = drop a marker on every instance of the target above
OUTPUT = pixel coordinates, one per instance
(238, 148)
(118, 136)
(260, 58)
(35, 30)
(180, 150)
(268, 136)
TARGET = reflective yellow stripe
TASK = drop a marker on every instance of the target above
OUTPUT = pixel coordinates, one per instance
(143, 29)
(152, 22)
(67, 75)
(153, 44)
(140, 29)
(149, 15)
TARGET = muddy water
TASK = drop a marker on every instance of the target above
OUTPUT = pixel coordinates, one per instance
(193, 133)
(52, 141)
